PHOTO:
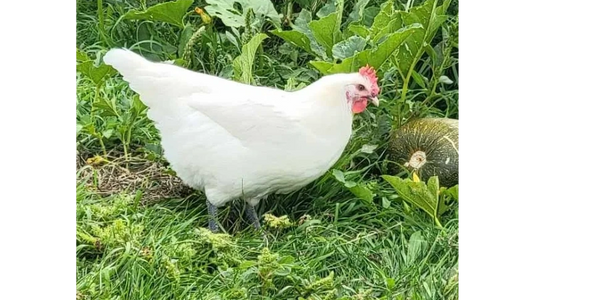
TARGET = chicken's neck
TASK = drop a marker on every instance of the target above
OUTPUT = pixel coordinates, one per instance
(326, 109)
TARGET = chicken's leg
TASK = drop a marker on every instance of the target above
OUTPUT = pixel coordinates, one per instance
(251, 215)
(212, 221)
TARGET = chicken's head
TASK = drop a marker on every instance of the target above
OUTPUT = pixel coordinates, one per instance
(364, 89)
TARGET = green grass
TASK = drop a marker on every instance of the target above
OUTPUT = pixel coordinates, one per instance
(338, 246)
(163, 251)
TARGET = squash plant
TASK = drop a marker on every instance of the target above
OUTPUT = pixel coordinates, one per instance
(392, 39)
(117, 118)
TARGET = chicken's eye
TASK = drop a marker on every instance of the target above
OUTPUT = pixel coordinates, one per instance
(361, 87)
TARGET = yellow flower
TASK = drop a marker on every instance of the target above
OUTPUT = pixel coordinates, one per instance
(96, 160)
(206, 19)
(415, 177)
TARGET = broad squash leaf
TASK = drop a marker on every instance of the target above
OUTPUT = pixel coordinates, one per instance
(414, 48)
(326, 32)
(87, 67)
(295, 38)
(424, 196)
(169, 12)
(242, 65)
(349, 47)
(232, 17)
(375, 57)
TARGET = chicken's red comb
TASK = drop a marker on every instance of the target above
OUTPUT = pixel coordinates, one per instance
(369, 72)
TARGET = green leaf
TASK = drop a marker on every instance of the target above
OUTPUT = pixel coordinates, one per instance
(301, 35)
(322, 66)
(360, 30)
(435, 25)
(390, 283)
(414, 48)
(282, 272)
(417, 193)
(232, 38)
(385, 202)
(350, 184)
(108, 108)
(88, 68)
(445, 80)
(301, 25)
(96, 73)
(242, 65)
(137, 106)
(366, 148)
(169, 12)
(357, 12)
(382, 19)
(153, 148)
(433, 54)
(326, 32)
(340, 13)
(359, 190)
(301, 22)
(377, 57)
(443, 206)
(82, 56)
(363, 192)
(246, 265)
(288, 259)
(374, 57)
(339, 175)
(393, 26)
(185, 36)
(453, 192)
(107, 133)
(416, 248)
(290, 85)
(433, 185)
(419, 79)
(90, 128)
(295, 38)
(327, 9)
(232, 17)
(348, 47)
(427, 15)
(386, 21)
(369, 15)
(180, 62)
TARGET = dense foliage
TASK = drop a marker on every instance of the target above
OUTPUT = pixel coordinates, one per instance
(352, 234)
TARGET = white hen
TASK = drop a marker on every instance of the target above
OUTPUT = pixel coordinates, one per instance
(233, 140)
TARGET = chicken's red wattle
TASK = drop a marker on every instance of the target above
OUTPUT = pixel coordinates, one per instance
(359, 105)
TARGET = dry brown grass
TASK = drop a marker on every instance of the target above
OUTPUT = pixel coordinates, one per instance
(115, 174)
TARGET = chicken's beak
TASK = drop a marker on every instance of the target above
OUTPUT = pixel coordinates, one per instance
(375, 101)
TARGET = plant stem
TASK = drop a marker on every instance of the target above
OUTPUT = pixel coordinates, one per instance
(414, 63)
(288, 12)
(100, 13)
(189, 46)
(125, 151)
(93, 118)
(405, 82)
(127, 141)
(99, 137)
(437, 222)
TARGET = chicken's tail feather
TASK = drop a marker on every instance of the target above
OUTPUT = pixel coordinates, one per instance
(125, 61)
(157, 83)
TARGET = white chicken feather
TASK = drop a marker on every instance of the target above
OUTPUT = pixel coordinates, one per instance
(233, 140)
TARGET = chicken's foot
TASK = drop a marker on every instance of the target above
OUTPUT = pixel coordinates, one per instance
(252, 216)
(212, 220)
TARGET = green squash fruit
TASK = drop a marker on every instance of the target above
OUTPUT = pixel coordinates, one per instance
(428, 146)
